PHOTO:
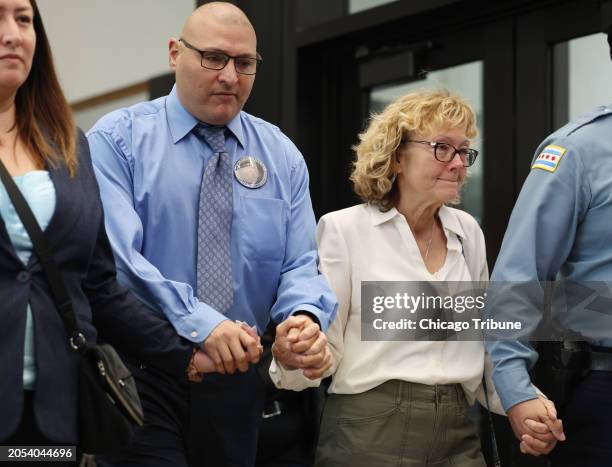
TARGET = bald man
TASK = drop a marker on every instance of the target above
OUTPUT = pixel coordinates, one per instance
(208, 212)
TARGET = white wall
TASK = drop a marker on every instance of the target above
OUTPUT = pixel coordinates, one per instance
(105, 45)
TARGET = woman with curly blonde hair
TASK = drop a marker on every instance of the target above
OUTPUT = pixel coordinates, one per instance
(419, 113)
(397, 402)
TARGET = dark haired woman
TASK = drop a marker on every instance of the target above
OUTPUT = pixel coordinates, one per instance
(50, 163)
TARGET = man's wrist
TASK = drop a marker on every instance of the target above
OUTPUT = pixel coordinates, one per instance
(312, 316)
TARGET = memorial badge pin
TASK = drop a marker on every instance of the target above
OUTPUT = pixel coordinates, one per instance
(250, 172)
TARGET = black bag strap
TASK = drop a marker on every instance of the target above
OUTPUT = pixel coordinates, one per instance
(45, 256)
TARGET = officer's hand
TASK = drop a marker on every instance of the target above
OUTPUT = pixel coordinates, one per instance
(535, 424)
(226, 346)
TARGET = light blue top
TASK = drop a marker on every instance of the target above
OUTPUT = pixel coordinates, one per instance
(38, 190)
(149, 166)
(561, 227)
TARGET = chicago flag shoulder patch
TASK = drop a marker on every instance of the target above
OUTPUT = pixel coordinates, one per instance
(549, 158)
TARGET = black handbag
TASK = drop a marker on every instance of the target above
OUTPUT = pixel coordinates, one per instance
(108, 407)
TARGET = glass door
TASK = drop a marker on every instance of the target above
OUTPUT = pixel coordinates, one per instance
(561, 72)
(585, 61)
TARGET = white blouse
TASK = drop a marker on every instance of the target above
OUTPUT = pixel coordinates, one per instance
(363, 244)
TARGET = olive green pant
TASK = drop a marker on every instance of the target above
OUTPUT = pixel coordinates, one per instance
(399, 424)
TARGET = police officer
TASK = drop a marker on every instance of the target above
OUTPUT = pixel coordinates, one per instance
(561, 228)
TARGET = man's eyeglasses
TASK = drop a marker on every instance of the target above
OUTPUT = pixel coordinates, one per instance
(218, 60)
(445, 152)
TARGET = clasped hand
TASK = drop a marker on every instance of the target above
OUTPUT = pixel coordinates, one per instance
(536, 425)
(229, 347)
(299, 343)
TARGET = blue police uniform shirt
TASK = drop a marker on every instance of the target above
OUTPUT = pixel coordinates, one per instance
(149, 166)
(560, 228)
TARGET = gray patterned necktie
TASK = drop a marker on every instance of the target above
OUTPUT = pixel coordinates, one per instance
(214, 266)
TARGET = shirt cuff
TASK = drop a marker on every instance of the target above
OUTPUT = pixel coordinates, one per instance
(321, 318)
(197, 325)
(293, 380)
(513, 385)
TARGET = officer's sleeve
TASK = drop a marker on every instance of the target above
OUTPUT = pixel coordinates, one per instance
(192, 319)
(301, 287)
(537, 242)
(335, 266)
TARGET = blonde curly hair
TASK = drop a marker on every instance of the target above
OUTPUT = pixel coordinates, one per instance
(416, 113)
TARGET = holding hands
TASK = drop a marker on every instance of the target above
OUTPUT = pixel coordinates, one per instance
(299, 343)
(229, 347)
(232, 346)
(536, 425)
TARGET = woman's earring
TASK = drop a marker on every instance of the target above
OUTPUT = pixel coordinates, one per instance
(393, 178)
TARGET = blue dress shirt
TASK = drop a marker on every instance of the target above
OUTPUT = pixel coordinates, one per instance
(560, 228)
(38, 190)
(149, 166)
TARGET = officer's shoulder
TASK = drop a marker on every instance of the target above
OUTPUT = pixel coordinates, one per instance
(585, 125)
(123, 119)
(584, 136)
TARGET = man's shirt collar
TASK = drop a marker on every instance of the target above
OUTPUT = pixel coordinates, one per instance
(181, 122)
(235, 126)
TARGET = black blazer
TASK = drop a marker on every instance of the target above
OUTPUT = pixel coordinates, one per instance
(83, 253)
